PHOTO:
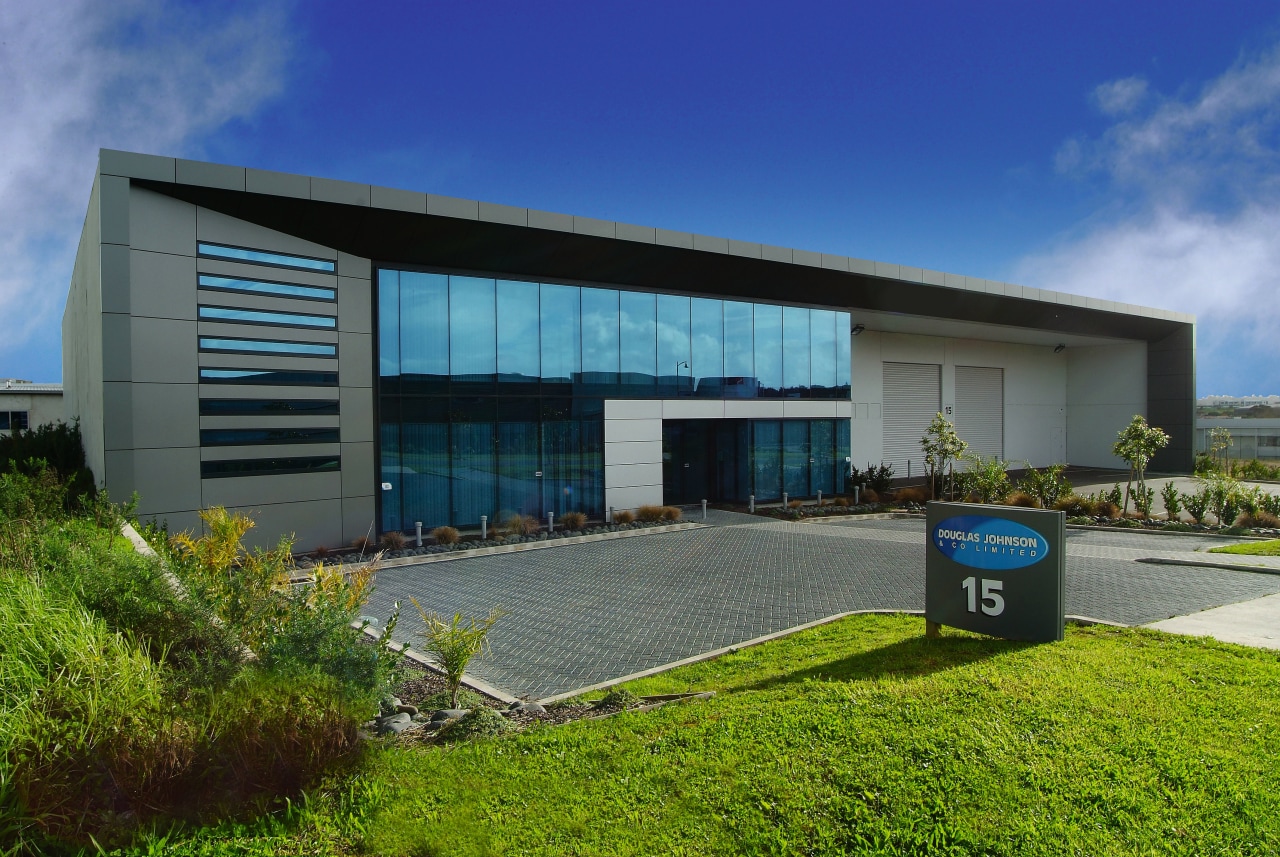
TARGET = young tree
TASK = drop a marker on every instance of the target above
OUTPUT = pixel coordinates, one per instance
(1220, 442)
(1137, 443)
(942, 447)
(454, 642)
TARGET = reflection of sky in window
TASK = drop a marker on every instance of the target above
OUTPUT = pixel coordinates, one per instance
(473, 348)
(524, 330)
(424, 323)
(518, 339)
(768, 330)
(673, 335)
(843, 345)
(637, 333)
(739, 342)
(707, 341)
(388, 323)
(561, 334)
(795, 332)
(599, 330)
(822, 332)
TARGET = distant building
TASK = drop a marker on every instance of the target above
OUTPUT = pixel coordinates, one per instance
(24, 405)
(1250, 438)
(1238, 402)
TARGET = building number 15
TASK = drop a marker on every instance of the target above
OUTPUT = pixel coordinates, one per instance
(990, 593)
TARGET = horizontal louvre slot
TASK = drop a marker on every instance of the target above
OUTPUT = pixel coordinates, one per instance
(266, 407)
(236, 345)
(263, 257)
(265, 287)
(270, 466)
(262, 316)
(253, 437)
(269, 377)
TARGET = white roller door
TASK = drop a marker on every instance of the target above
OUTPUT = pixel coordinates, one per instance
(980, 409)
(912, 397)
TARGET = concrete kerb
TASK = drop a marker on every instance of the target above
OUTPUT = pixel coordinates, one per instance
(1195, 563)
(786, 632)
(424, 559)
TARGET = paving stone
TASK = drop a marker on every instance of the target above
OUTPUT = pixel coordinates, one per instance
(586, 613)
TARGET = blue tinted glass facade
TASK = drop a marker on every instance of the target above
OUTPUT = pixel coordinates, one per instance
(491, 391)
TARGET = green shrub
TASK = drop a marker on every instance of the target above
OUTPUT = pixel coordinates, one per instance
(57, 446)
(877, 477)
(1170, 497)
(1048, 486)
(988, 478)
(442, 699)
(1176, 527)
(479, 722)
(1127, 523)
(618, 699)
(1080, 519)
(1196, 503)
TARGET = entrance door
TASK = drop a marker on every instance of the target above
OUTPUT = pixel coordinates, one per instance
(688, 459)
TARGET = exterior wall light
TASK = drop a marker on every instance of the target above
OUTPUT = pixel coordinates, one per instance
(1059, 348)
(858, 328)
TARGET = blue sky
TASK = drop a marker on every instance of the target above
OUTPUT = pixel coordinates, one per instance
(1123, 150)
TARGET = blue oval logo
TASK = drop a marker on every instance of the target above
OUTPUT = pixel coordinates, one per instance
(981, 541)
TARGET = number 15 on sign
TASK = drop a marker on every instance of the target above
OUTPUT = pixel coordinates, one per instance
(990, 593)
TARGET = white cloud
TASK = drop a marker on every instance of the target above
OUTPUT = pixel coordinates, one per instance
(1120, 96)
(1191, 213)
(77, 75)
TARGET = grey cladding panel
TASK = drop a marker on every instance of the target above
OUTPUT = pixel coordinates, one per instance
(211, 175)
(135, 166)
(345, 193)
(277, 184)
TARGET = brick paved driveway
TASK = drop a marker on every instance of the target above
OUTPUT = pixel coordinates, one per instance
(582, 614)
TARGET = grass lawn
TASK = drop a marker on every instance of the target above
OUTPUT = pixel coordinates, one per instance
(859, 737)
(1270, 547)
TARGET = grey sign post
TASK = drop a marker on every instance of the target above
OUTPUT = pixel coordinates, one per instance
(997, 570)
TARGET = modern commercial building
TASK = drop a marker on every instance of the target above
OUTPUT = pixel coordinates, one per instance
(339, 357)
(24, 405)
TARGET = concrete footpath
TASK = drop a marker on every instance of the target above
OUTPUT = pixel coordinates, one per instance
(1250, 623)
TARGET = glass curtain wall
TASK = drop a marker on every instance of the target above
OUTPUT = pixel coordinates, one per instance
(491, 391)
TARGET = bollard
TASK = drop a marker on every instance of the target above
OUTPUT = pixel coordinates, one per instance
(551, 522)
(819, 498)
(417, 526)
(857, 495)
(704, 510)
(484, 527)
(908, 468)
(784, 499)
(610, 520)
(752, 500)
